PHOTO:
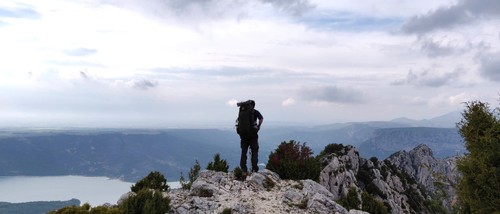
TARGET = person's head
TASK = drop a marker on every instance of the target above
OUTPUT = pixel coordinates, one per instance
(252, 103)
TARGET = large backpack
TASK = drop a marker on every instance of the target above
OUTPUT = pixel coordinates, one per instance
(245, 127)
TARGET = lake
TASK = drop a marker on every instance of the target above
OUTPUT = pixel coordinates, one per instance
(93, 190)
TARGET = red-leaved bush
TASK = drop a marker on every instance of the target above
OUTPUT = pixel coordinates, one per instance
(292, 160)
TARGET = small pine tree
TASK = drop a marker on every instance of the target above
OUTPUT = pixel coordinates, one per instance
(155, 180)
(193, 175)
(219, 165)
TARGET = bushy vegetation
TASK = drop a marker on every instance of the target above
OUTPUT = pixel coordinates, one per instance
(148, 197)
(219, 165)
(351, 200)
(146, 201)
(372, 205)
(193, 175)
(86, 208)
(333, 148)
(292, 160)
(154, 180)
(479, 188)
(238, 174)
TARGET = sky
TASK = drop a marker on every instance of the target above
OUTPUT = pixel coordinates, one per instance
(186, 63)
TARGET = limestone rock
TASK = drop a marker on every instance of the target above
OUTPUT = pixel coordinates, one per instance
(346, 169)
(261, 192)
(429, 171)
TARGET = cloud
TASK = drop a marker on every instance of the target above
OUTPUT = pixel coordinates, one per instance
(435, 48)
(80, 52)
(333, 94)
(463, 13)
(288, 102)
(294, 7)
(203, 10)
(429, 78)
(490, 66)
(143, 84)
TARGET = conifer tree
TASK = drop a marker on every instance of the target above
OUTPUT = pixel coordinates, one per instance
(219, 165)
(479, 188)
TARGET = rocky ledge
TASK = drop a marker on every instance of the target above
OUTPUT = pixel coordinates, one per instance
(261, 192)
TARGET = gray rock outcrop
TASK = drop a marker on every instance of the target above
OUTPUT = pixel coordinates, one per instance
(261, 192)
(383, 180)
(438, 176)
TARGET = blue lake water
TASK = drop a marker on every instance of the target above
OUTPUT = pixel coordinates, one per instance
(93, 190)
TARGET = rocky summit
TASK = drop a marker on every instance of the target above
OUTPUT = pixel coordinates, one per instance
(261, 192)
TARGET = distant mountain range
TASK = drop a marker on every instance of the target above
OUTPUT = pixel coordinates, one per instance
(132, 154)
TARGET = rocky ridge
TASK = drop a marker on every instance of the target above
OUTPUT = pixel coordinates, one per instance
(438, 176)
(261, 192)
(406, 182)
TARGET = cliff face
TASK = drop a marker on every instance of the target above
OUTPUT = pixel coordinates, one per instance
(438, 176)
(403, 181)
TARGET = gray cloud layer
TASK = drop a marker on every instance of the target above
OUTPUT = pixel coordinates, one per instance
(202, 10)
(333, 94)
(436, 49)
(490, 66)
(429, 78)
(465, 12)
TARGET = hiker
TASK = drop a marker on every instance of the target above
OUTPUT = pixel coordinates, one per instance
(247, 126)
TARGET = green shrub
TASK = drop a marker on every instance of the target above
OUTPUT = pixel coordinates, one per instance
(351, 200)
(86, 208)
(372, 205)
(333, 148)
(155, 180)
(219, 165)
(226, 211)
(238, 174)
(146, 201)
(292, 160)
(193, 175)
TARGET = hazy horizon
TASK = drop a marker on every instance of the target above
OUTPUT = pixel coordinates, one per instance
(220, 125)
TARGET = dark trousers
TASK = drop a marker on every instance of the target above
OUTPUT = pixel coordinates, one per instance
(253, 143)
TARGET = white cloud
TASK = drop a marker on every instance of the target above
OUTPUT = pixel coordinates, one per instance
(288, 102)
(459, 99)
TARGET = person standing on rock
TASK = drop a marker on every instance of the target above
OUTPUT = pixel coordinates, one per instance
(247, 126)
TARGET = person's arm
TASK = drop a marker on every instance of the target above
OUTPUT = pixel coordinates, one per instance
(261, 120)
